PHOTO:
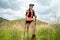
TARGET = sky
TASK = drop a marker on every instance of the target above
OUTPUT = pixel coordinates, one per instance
(16, 9)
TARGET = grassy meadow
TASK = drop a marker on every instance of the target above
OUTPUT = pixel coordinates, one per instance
(14, 30)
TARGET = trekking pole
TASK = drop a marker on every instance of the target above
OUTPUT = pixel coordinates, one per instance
(24, 30)
(35, 25)
(33, 38)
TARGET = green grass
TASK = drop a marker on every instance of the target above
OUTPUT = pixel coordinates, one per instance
(10, 35)
(7, 33)
(52, 33)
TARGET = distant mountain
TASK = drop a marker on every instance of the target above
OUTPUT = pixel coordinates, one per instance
(2, 20)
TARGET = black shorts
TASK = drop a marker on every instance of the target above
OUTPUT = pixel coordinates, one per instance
(29, 21)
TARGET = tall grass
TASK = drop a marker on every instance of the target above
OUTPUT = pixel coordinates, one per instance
(10, 35)
(51, 33)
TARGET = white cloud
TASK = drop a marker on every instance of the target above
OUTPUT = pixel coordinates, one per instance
(11, 14)
(45, 9)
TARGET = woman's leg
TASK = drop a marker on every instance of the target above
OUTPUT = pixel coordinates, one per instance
(33, 29)
(27, 27)
(27, 30)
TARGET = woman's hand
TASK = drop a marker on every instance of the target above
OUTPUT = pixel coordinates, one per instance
(35, 16)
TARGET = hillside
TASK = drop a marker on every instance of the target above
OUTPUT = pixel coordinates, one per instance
(13, 30)
(18, 24)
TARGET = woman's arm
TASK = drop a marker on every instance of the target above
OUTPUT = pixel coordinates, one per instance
(27, 13)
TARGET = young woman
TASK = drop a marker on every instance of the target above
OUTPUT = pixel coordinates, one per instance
(30, 17)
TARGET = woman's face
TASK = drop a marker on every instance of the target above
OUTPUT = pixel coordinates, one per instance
(31, 7)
